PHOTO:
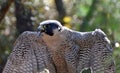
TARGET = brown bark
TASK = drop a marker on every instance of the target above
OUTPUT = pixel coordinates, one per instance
(23, 16)
(61, 9)
(4, 8)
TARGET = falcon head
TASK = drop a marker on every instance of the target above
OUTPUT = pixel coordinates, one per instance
(50, 27)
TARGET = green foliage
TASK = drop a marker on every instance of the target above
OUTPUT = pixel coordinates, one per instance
(116, 55)
(83, 8)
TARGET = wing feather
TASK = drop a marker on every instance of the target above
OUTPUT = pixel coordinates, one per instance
(29, 55)
(95, 51)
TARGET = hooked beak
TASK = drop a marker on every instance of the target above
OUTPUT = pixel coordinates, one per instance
(40, 30)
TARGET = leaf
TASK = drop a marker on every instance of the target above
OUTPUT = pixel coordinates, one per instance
(67, 19)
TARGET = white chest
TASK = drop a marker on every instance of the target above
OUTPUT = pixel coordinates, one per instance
(53, 41)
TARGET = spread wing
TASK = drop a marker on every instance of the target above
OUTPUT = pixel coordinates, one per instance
(95, 52)
(102, 53)
(30, 55)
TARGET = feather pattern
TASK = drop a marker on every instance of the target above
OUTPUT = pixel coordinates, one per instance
(66, 51)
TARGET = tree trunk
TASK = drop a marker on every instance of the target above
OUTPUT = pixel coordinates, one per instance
(23, 16)
(61, 9)
(4, 8)
(88, 17)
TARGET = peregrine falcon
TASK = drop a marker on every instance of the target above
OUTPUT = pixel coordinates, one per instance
(54, 48)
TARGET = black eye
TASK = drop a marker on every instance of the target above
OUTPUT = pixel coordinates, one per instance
(47, 26)
(44, 26)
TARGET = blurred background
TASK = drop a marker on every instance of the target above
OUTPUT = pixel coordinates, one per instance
(17, 16)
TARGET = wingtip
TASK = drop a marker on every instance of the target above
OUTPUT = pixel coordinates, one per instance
(100, 32)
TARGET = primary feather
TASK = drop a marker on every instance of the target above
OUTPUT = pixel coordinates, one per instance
(60, 50)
